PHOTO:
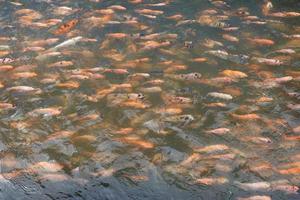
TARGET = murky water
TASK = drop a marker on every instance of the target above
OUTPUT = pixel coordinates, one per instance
(143, 99)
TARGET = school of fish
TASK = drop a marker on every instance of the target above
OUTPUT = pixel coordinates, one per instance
(150, 99)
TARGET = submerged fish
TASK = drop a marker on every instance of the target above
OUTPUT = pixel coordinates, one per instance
(66, 27)
(212, 181)
(184, 119)
(234, 74)
(268, 61)
(6, 106)
(219, 53)
(240, 59)
(93, 89)
(185, 77)
(6, 60)
(137, 142)
(246, 116)
(256, 197)
(45, 112)
(124, 96)
(45, 56)
(261, 41)
(220, 95)
(4, 47)
(257, 186)
(171, 99)
(219, 131)
(24, 89)
(61, 64)
(212, 148)
(67, 43)
(295, 107)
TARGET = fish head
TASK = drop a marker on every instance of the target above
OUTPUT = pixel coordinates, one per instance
(186, 118)
(242, 12)
(220, 24)
(243, 59)
(269, 4)
(140, 96)
(196, 75)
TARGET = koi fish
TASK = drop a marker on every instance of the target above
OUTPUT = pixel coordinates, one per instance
(24, 89)
(45, 56)
(256, 197)
(61, 64)
(185, 77)
(149, 11)
(219, 131)
(268, 61)
(125, 96)
(295, 107)
(6, 106)
(66, 43)
(236, 58)
(246, 116)
(154, 89)
(6, 60)
(261, 41)
(212, 181)
(68, 85)
(137, 142)
(47, 112)
(66, 27)
(220, 95)
(230, 38)
(258, 186)
(185, 119)
(212, 148)
(234, 74)
(23, 75)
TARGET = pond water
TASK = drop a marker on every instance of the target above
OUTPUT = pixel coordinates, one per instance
(146, 99)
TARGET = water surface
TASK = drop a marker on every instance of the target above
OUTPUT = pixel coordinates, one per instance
(149, 100)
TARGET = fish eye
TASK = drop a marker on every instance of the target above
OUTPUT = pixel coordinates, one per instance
(186, 118)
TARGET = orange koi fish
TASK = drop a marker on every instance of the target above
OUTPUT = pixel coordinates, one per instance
(66, 27)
